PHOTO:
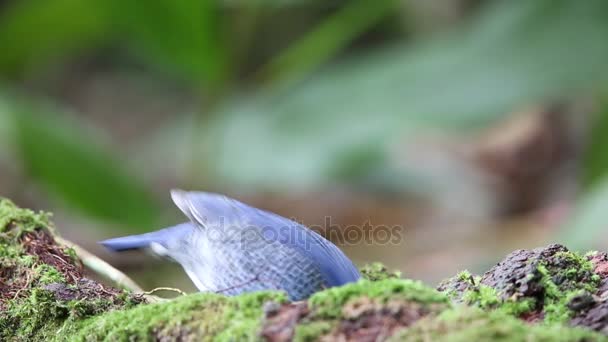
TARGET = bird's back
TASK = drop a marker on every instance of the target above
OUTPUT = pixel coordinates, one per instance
(239, 264)
(231, 248)
(227, 217)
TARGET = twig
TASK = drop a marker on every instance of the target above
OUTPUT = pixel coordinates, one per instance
(27, 283)
(165, 289)
(95, 264)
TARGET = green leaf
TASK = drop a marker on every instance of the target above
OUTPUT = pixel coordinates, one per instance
(328, 38)
(514, 53)
(37, 32)
(62, 156)
(184, 36)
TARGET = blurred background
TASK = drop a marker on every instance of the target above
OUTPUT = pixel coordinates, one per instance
(477, 126)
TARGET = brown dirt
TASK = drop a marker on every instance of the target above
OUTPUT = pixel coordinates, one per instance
(41, 244)
(16, 280)
(13, 281)
(368, 320)
(600, 261)
(281, 322)
(364, 319)
(533, 317)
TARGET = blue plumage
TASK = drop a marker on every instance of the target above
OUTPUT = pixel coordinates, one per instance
(144, 240)
(230, 247)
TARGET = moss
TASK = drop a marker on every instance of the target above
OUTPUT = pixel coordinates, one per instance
(556, 279)
(562, 284)
(591, 254)
(46, 297)
(24, 220)
(34, 312)
(42, 286)
(84, 308)
(28, 261)
(377, 271)
(580, 273)
(366, 300)
(245, 314)
(15, 221)
(483, 296)
(197, 316)
(33, 318)
(328, 303)
(208, 316)
(27, 309)
(308, 332)
(241, 317)
(473, 324)
(466, 276)
(488, 298)
(41, 315)
(153, 320)
(47, 274)
(69, 251)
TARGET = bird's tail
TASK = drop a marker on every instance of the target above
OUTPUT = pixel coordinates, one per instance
(144, 240)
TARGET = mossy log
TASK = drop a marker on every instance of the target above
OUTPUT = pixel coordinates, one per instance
(547, 294)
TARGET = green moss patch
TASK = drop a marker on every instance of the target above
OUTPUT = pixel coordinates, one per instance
(329, 303)
(550, 283)
(203, 316)
(377, 271)
(366, 308)
(473, 324)
(23, 220)
(41, 282)
(568, 278)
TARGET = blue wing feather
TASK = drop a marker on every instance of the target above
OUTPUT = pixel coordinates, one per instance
(209, 209)
(144, 240)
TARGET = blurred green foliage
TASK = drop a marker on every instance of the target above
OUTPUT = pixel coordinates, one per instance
(513, 53)
(315, 121)
(60, 154)
(327, 39)
(185, 35)
(596, 156)
(588, 224)
(34, 33)
(590, 219)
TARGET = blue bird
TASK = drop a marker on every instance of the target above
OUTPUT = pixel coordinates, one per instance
(230, 247)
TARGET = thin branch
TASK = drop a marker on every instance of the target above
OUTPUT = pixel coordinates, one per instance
(165, 289)
(95, 264)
